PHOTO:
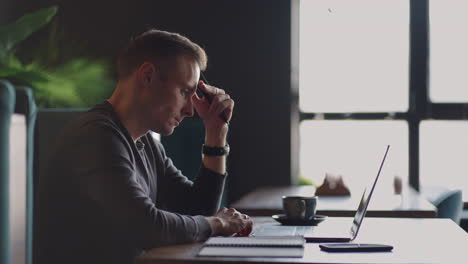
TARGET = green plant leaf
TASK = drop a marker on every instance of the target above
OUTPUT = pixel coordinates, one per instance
(306, 181)
(21, 75)
(57, 92)
(14, 62)
(80, 82)
(90, 77)
(57, 82)
(12, 34)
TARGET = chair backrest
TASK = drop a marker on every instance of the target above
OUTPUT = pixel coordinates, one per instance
(49, 124)
(449, 202)
(450, 205)
(7, 103)
(26, 105)
(184, 146)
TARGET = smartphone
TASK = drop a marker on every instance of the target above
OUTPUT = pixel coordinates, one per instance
(354, 247)
(202, 93)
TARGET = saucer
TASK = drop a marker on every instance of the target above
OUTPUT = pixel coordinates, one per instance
(299, 222)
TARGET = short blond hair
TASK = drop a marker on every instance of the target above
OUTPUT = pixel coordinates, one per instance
(154, 45)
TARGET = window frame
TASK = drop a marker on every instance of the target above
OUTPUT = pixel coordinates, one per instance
(420, 107)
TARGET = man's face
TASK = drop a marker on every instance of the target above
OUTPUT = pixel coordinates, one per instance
(171, 95)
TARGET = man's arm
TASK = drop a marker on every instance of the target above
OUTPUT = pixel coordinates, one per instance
(203, 195)
(216, 129)
(105, 173)
(226, 221)
(200, 197)
(215, 139)
(177, 193)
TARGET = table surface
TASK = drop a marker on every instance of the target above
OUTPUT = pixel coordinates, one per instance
(415, 240)
(267, 201)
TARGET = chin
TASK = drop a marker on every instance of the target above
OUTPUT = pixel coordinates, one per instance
(163, 129)
(166, 131)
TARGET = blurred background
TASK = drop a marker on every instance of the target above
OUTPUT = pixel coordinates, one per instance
(320, 86)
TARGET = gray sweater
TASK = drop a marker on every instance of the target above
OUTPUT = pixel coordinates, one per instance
(105, 199)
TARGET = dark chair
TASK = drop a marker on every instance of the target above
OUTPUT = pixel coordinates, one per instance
(49, 124)
(184, 146)
(26, 105)
(449, 203)
(7, 104)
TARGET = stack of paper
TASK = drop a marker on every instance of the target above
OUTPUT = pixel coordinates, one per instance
(273, 246)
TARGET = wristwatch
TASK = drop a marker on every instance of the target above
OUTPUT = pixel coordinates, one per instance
(215, 151)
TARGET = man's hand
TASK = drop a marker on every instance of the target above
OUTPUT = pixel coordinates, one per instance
(221, 104)
(228, 222)
(216, 128)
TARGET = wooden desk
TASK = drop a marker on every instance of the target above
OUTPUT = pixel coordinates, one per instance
(414, 241)
(267, 201)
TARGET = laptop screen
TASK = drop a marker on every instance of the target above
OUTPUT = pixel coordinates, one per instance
(362, 209)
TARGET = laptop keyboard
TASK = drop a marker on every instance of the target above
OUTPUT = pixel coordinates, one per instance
(280, 230)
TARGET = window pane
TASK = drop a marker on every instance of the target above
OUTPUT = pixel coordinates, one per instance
(354, 55)
(354, 149)
(444, 153)
(448, 77)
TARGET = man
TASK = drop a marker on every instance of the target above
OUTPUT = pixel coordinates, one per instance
(109, 191)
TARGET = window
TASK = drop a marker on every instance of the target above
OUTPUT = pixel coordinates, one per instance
(444, 150)
(353, 56)
(443, 141)
(354, 149)
(353, 61)
(367, 78)
(448, 51)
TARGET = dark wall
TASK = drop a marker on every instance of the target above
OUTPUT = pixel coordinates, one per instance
(248, 45)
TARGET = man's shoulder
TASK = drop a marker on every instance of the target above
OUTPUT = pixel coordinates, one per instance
(95, 129)
(98, 118)
(101, 114)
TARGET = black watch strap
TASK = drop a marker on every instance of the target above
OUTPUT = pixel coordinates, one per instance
(215, 151)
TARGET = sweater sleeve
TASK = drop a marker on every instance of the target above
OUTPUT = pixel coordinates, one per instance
(105, 174)
(202, 196)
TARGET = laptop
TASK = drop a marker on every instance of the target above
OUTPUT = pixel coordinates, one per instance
(328, 231)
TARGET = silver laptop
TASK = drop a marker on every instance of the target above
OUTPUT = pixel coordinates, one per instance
(328, 231)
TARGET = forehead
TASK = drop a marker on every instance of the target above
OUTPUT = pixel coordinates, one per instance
(184, 69)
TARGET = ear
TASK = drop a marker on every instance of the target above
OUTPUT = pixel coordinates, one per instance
(145, 74)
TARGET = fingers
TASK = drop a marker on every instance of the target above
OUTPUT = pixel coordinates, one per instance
(214, 103)
(212, 90)
(236, 223)
(219, 102)
(222, 103)
(227, 211)
(247, 227)
(221, 210)
(232, 212)
(216, 94)
(219, 91)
